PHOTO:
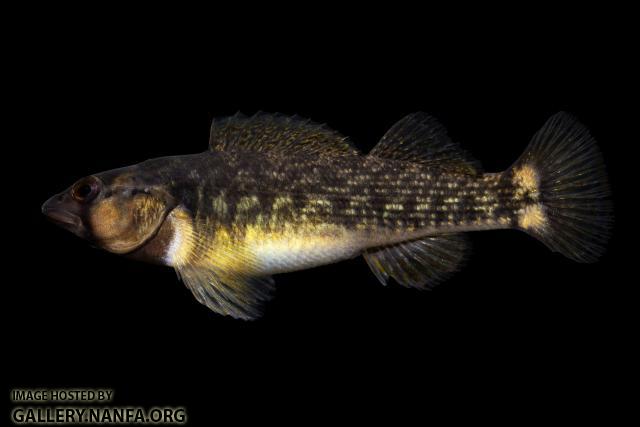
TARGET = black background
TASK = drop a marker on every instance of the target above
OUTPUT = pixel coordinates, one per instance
(519, 332)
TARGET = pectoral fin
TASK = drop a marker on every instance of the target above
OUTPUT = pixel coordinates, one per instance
(418, 263)
(231, 295)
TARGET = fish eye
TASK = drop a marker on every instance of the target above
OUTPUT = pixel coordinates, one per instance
(86, 190)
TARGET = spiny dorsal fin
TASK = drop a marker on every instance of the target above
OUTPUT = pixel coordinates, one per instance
(236, 296)
(419, 263)
(420, 138)
(277, 133)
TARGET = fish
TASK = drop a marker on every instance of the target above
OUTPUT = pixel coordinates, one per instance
(274, 194)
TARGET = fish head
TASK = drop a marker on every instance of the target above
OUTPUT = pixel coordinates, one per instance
(118, 210)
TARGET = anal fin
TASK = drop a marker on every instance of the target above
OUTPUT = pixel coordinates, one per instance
(419, 263)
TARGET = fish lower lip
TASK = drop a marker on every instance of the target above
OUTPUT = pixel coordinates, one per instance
(61, 217)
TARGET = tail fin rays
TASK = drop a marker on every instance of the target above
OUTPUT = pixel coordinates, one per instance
(562, 176)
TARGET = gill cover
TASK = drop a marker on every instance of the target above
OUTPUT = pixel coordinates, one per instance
(128, 218)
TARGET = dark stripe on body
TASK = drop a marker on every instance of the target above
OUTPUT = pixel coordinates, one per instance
(362, 192)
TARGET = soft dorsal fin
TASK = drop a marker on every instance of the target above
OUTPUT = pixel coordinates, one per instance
(419, 263)
(419, 138)
(277, 133)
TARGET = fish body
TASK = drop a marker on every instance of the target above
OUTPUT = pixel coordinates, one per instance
(275, 194)
(299, 212)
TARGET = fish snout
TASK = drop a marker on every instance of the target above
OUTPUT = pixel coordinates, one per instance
(65, 212)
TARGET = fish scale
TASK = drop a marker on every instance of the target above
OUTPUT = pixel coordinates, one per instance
(389, 199)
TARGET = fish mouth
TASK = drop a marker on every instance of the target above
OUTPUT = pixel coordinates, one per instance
(61, 217)
(55, 211)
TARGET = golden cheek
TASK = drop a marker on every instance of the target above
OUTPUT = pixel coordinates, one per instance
(109, 219)
(123, 224)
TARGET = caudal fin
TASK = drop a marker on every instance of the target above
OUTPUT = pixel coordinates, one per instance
(562, 180)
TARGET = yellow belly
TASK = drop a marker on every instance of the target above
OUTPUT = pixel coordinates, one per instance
(256, 250)
(299, 249)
